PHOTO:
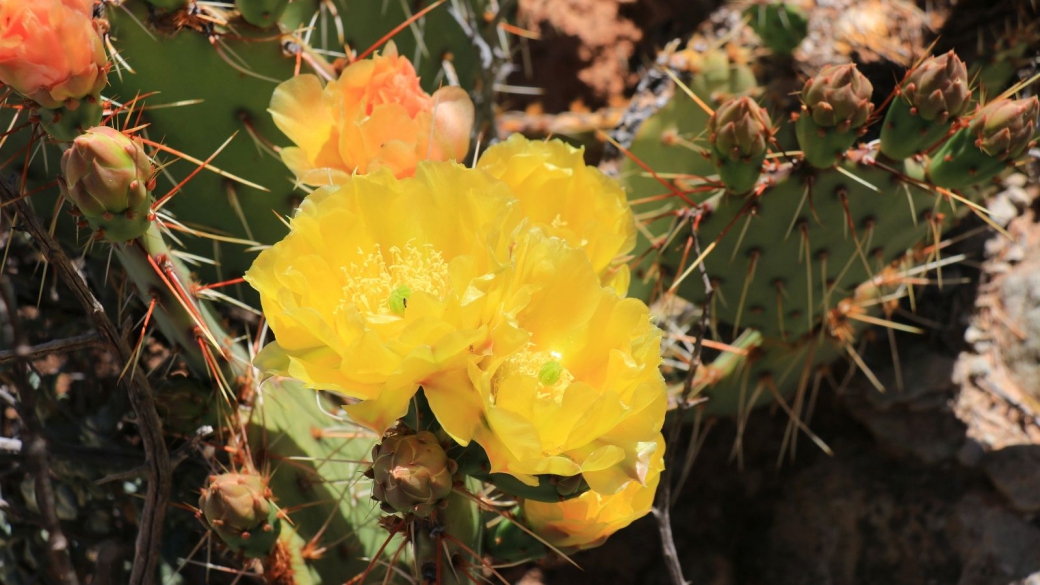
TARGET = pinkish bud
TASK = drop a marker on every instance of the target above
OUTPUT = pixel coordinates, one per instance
(106, 175)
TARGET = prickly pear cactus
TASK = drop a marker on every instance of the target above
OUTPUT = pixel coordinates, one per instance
(799, 246)
(146, 176)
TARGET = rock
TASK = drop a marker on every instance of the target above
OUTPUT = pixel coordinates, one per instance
(1015, 471)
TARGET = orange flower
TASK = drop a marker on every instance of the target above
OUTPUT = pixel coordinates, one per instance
(50, 51)
(374, 116)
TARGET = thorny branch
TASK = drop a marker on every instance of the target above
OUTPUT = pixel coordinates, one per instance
(57, 346)
(34, 449)
(663, 503)
(137, 387)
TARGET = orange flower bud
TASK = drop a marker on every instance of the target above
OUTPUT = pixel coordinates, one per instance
(51, 52)
(374, 116)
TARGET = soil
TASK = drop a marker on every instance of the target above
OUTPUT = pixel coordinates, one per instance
(590, 50)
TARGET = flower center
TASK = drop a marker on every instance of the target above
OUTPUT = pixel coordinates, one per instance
(544, 366)
(379, 287)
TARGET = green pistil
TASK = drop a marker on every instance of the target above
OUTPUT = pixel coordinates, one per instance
(550, 373)
(399, 299)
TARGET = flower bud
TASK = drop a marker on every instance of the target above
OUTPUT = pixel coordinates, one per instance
(933, 95)
(51, 52)
(412, 473)
(376, 115)
(238, 508)
(836, 105)
(938, 88)
(740, 133)
(740, 129)
(998, 133)
(839, 97)
(107, 177)
(1005, 128)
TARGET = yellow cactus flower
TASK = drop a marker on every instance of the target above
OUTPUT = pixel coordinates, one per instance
(569, 199)
(588, 520)
(374, 116)
(382, 283)
(578, 391)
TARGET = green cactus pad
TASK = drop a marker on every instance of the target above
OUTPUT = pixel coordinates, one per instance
(64, 125)
(261, 13)
(823, 147)
(508, 543)
(959, 163)
(316, 478)
(168, 4)
(780, 25)
(904, 134)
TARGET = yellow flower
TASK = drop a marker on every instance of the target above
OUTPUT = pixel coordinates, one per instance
(578, 390)
(382, 283)
(588, 520)
(569, 199)
(374, 116)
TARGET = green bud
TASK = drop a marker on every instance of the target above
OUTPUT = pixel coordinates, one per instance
(938, 88)
(836, 106)
(933, 95)
(412, 473)
(839, 97)
(998, 134)
(238, 508)
(740, 133)
(107, 177)
(1004, 129)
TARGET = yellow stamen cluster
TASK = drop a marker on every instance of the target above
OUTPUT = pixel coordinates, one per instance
(380, 287)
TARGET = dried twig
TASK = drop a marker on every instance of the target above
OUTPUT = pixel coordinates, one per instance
(57, 346)
(34, 449)
(663, 503)
(176, 458)
(137, 387)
